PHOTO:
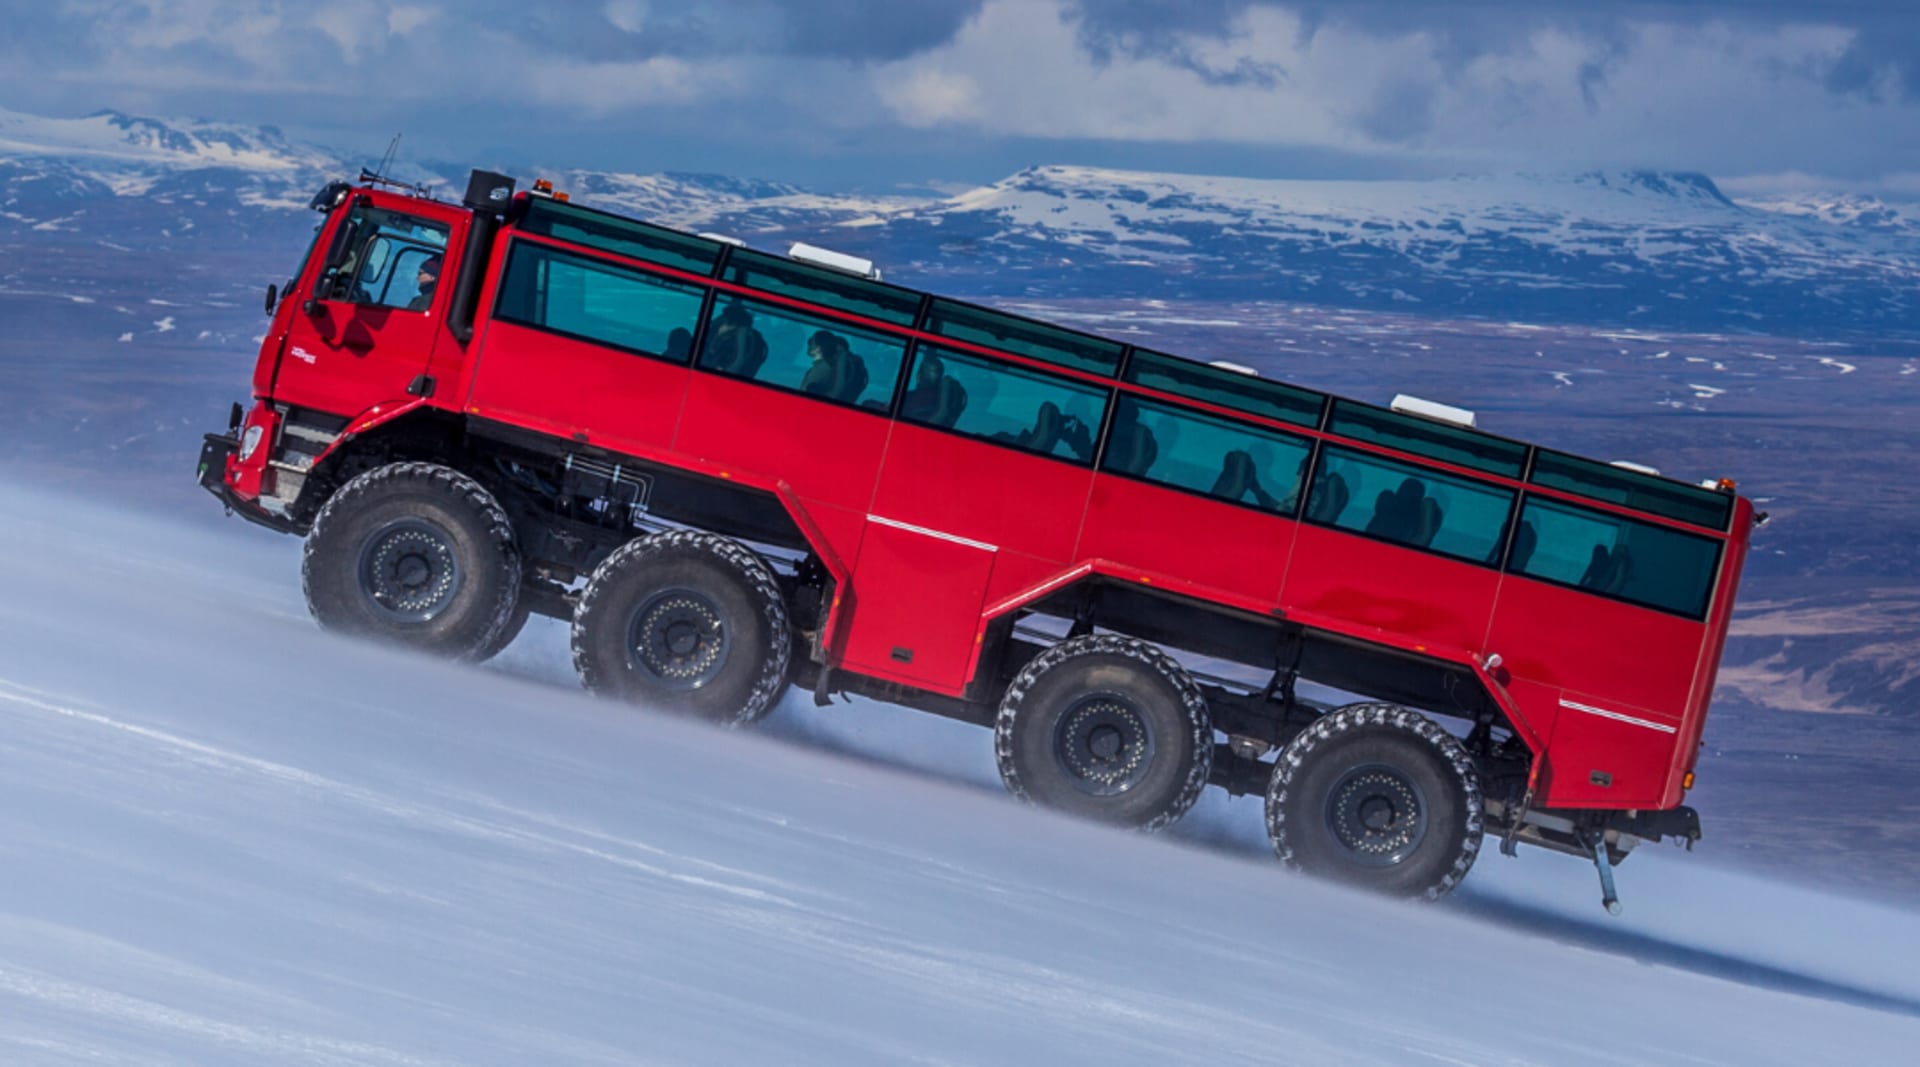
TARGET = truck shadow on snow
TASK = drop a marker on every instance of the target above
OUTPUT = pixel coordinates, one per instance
(1645, 948)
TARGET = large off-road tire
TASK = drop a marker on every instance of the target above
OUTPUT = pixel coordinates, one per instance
(1377, 796)
(1106, 727)
(686, 621)
(515, 623)
(416, 554)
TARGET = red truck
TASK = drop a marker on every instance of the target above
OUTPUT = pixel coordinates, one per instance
(736, 472)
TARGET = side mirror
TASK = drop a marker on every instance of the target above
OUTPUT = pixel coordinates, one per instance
(273, 297)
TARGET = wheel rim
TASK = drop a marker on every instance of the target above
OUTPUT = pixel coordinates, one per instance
(409, 570)
(1377, 814)
(678, 638)
(1104, 744)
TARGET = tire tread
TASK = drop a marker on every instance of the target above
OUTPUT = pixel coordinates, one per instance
(1193, 706)
(1343, 721)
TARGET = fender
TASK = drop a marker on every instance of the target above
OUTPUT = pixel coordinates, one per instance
(839, 608)
(1472, 661)
(371, 419)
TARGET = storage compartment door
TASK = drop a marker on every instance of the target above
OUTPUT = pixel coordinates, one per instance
(917, 599)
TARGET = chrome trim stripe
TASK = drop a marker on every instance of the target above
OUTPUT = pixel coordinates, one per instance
(955, 538)
(1617, 717)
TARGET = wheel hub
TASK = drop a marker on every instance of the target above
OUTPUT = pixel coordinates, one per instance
(1377, 814)
(409, 570)
(677, 637)
(1104, 745)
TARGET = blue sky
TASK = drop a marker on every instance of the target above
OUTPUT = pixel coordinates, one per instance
(874, 93)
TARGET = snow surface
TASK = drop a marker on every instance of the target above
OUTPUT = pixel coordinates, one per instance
(230, 839)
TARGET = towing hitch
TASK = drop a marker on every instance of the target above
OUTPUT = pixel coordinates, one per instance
(1609, 897)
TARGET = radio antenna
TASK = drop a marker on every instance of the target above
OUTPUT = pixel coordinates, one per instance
(393, 147)
(378, 176)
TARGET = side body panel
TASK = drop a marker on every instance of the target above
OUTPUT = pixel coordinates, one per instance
(1212, 544)
(1612, 678)
(575, 389)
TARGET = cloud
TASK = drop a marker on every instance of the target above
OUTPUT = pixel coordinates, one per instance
(1675, 85)
(1729, 86)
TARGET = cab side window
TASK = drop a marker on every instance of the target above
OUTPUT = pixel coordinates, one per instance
(393, 260)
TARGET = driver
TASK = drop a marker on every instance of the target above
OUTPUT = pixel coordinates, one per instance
(428, 277)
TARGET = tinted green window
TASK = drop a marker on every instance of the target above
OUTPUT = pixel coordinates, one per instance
(1410, 506)
(621, 236)
(1424, 437)
(1005, 404)
(1616, 557)
(1222, 459)
(1023, 337)
(818, 285)
(596, 301)
(1645, 492)
(806, 353)
(1229, 389)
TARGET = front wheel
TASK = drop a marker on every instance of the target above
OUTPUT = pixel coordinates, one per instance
(1377, 796)
(1107, 727)
(417, 554)
(687, 621)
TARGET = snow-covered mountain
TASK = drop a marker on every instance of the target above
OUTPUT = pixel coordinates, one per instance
(1637, 249)
(132, 157)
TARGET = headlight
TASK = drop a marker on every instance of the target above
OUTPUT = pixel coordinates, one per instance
(249, 441)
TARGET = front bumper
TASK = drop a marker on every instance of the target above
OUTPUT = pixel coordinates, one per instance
(216, 455)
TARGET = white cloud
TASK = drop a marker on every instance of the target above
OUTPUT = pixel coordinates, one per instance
(603, 88)
(1743, 96)
(930, 97)
(1667, 94)
(627, 15)
(405, 19)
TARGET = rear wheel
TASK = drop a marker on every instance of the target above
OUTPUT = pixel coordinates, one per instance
(417, 554)
(515, 623)
(1106, 727)
(1377, 796)
(687, 621)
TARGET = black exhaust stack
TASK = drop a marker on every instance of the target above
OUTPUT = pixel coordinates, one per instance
(488, 197)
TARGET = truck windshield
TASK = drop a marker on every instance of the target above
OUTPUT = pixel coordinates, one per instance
(305, 258)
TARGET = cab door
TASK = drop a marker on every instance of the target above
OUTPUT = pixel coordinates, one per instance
(368, 328)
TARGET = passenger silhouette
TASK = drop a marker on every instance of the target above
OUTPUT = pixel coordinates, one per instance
(935, 398)
(735, 346)
(1131, 448)
(679, 344)
(1406, 514)
(1329, 498)
(1050, 430)
(835, 372)
(1239, 477)
(1607, 572)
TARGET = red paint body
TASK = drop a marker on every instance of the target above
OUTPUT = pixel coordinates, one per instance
(929, 534)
